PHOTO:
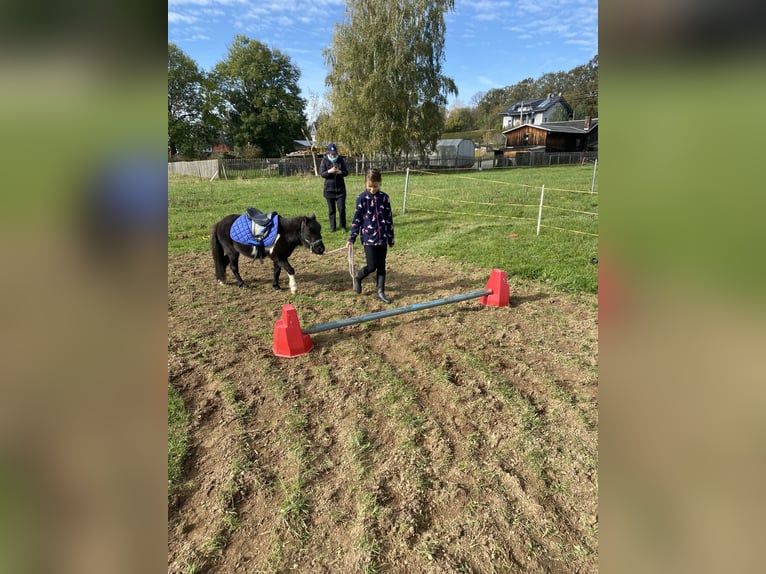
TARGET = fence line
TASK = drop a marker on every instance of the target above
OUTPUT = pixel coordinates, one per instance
(532, 219)
(573, 191)
(510, 183)
(473, 178)
(474, 214)
(570, 230)
(569, 210)
(233, 168)
(502, 204)
(505, 204)
(472, 202)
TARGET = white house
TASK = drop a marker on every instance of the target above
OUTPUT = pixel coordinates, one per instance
(536, 112)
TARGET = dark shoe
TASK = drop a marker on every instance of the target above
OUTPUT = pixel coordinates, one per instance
(382, 289)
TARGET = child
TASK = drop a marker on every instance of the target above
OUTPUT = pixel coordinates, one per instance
(374, 219)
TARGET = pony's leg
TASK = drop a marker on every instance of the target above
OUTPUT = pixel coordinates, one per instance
(285, 264)
(234, 264)
(277, 271)
(220, 268)
(220, 258)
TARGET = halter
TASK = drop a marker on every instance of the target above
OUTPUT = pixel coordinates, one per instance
(309, 244)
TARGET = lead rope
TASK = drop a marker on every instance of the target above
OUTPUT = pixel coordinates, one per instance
(351, 262)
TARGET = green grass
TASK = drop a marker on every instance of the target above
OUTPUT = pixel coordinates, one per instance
(178, 439)
(295, 508)
(465, 217)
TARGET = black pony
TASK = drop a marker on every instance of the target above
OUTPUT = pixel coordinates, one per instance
(279, 244)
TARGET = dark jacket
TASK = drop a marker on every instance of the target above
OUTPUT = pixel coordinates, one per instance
(373, 218)
(334, 183)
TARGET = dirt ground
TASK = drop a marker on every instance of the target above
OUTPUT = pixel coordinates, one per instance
(460, 438)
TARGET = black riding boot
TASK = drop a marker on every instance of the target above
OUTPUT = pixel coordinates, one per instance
(382, 289)
(361, 274)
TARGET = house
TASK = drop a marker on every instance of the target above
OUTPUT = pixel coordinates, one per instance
(569, 136)
(536, 112)
(221, 148)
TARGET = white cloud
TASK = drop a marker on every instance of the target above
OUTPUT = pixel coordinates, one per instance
(207, 2)
(176, 18)
(484, 17)
(484, 80)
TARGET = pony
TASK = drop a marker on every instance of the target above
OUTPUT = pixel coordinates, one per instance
(287, 233)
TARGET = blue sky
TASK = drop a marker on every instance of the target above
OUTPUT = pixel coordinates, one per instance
(489, 43)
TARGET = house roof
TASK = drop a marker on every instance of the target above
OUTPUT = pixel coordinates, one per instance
(532, 106)
(569, 127)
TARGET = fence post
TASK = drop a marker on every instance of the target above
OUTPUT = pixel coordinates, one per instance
(406, 184)
(540, 212)
(593, 182)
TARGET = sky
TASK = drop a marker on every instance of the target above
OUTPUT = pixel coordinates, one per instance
(488, 44)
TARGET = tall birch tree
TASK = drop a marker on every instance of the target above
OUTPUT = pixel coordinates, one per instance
(387, 89)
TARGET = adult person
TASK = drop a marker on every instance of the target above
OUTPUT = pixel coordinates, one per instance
(334, 171)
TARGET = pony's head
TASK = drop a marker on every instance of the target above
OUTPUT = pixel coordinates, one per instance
(311, 234)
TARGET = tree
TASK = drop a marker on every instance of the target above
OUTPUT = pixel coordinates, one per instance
(192, 126)
(582, 94)
(551, 83)
(459, 119)
(262, 107)
(387, 87)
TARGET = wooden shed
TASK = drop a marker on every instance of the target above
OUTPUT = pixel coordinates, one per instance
(569, 136)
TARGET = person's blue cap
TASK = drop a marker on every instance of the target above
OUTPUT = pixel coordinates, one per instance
(332, 148)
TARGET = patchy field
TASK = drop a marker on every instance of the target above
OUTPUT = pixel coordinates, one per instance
(457, 439)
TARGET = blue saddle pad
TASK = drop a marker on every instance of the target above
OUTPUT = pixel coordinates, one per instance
(241, 232)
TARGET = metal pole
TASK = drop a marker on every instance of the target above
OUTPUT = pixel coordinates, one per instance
(540, 212)
(392, 312)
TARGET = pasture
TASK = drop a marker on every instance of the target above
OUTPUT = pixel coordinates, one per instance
(458, 439)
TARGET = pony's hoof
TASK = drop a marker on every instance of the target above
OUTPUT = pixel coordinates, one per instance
(242, 285)
(277, 287)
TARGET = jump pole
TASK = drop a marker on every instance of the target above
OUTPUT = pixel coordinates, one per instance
(291, 341)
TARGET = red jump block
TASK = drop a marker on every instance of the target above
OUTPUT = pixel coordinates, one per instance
(498, 284)
(289, 340)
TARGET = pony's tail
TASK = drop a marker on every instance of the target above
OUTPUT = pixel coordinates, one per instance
(220, 258)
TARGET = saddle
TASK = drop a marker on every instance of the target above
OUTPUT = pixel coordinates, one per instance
(260, 223)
